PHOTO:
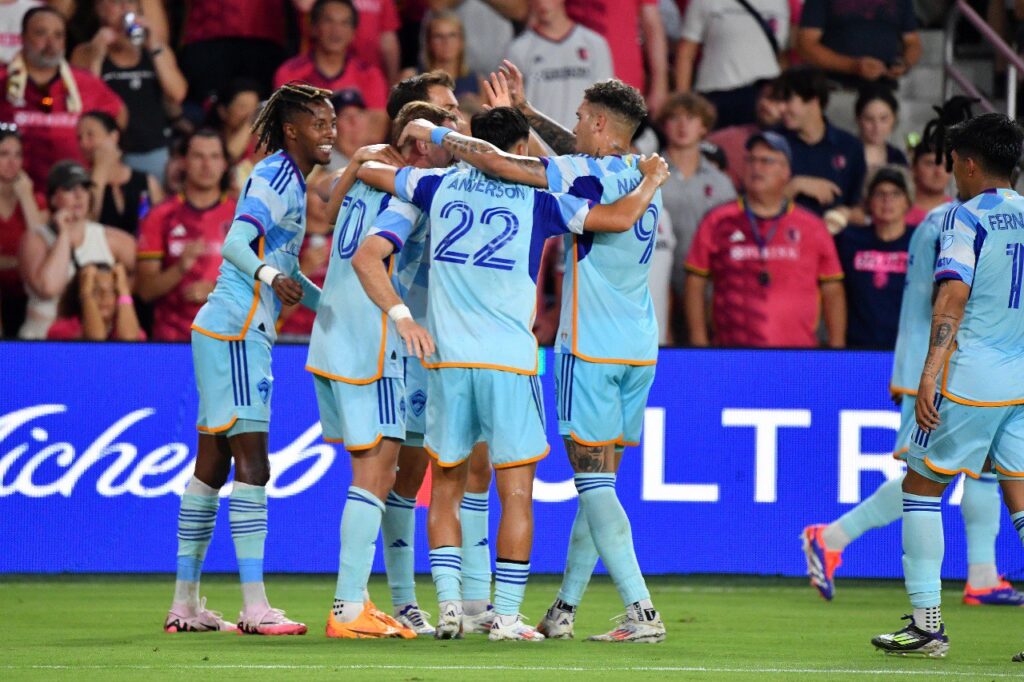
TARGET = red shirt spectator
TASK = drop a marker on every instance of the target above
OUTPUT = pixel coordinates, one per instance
(70, 329)
(355, 75)
(376, 19)
(261, 19)
(771, 300)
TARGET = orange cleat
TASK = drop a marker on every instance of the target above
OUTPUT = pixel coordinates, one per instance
(365, 626)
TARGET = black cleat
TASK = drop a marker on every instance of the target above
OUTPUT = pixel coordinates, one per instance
(913, 641)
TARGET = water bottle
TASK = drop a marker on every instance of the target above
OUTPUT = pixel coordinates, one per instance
(134, 30)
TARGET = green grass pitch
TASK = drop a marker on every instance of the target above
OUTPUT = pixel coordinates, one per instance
(719, 628)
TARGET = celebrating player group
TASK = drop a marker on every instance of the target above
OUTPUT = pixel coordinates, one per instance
(422, 353)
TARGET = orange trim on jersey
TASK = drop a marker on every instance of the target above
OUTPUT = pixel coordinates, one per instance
(481, 365)
(902, 391)
(966, 401)
(627, 443)
(511, 465)
(217, 429)
(1007, 472)
(949, 472)
(899, 453)
(595, 444)
(252, 309)
(146, 255)
(695, 270)
(358, 448)
(339, 441)
(830, 278)
(445, 465)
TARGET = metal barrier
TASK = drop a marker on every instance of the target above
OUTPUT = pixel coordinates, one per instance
(962, 10)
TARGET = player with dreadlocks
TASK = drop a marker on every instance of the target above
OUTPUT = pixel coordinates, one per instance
(231, 340)
(824, 543)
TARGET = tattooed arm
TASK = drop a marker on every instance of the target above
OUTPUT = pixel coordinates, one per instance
(947, 313)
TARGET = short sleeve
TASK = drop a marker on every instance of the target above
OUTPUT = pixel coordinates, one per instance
(908, 20)
(556, 214)
(99, 95)
(151, 236)
(562, 171)
(814, 14)
(418, 185)
(698, 259)
(396, 223)
(959, 244)
(694, 22)
(261, 205)
(389, 20)
(829, 267)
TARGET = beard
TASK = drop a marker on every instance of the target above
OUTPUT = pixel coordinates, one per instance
(41, 60)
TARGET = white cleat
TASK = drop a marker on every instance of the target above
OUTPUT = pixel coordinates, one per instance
(513, 628)
(630, 629)
(479, 624)
(449, 624)
(181, 619)
(416, 619)
(557, 623)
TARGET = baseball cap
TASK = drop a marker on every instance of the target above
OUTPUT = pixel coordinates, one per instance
(349, 97)
(67, 174)
(891, 175)
(773, 140)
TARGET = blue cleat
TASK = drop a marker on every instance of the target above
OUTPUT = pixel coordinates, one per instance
(822, 562)
(1002, 594)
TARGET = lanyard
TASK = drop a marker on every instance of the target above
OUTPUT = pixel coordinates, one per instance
(763, 241)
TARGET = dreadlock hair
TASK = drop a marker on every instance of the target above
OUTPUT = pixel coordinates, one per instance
(291, 98)
(935, 137)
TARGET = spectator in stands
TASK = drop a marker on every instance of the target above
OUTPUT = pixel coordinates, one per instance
(44, 95)
(559, 59)
(931, 182)
(228, 39)
(97, 306)
(376, 40)
(146, 78)
(877, 110)
(51, 253)
(444, 49)
(733, 139)
(232, 116)
(11, 14)
(352, 134)
(874, 260)
(828, 163)
(19, 208)
(739, 44)
(122, 196)
(180, 240)
(859, 42)
(488, 22)
(773, 264)
(331, 63)
(695, 185)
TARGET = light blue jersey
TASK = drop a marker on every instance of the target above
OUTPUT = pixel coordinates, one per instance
(353, 340)
(274, 201)
(486, 243)
(916, 306)
(607, 311)
(982, 245)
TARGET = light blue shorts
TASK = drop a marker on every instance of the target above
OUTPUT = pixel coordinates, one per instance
(234, 381)
(966, 435)
(416, 399)
(469, 405)
(360, 415)
(908, 422)
(601, 403)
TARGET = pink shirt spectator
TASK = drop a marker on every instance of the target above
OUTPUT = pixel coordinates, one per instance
(70, 329)
(260, 19)
(356, 74)
(375, 17)
(732, 141)
(619, 22)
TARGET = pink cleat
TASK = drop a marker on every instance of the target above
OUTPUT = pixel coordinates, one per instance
(180, 619)
(265, 620)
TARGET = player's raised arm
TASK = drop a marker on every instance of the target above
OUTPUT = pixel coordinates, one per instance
(556, 136)
(620, 215)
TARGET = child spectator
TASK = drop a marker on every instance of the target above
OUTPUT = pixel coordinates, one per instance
(97, 306)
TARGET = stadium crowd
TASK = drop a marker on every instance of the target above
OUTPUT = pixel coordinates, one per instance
(125, 139)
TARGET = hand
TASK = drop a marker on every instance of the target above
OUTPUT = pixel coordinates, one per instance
(654, 167)
(103, 39)
(106, 155)
(198, 292)
(287, 289)
(121, 280)
(514, 81)
(193, 250)
(418, 341)
(417, 129)
(64, 221)
(496, 91)
(898, 68)
(86, 281)
(384, 153)
(924, 408)
(22, 186)
(821, 190)
(869, 68)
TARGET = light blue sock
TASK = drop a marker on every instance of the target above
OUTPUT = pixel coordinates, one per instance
(1018, 523)
(446, 570)
(196, 519)
(981, 508)
(399, 530)
(476, 551)
(579, 562)
(923, 548)
(360, 523)
(509, 586)
(248, 514)
(883, 507)
(613, 536)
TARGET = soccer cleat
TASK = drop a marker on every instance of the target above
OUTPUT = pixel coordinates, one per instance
(516, 630)
(1002, 594)
(403, 631)
(557, 623)
(821, 561)
(480, 624)
(1018, 657)
(913, 641)
(203, 620)
(269, 621)
(449, 624)
(415, 619)
(630, 629)
(365, 626)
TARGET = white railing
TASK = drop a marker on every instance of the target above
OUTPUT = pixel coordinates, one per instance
(1015, 65)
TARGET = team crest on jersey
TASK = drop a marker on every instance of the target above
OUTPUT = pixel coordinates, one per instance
(839, 162)
(264, 388)
(793, 234)
(583, 54)
(417, 401)
(179, 231)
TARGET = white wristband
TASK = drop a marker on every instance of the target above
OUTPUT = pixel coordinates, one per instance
(399, 312)
(267, 275)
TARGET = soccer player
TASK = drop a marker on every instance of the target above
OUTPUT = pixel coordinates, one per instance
(607, 342)
(358, 370)
(486, 240)
(231, 340)
(970, 392)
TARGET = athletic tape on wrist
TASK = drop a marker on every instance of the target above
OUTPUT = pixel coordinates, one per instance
(267, 275)
(399, 312)
(437, 134)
